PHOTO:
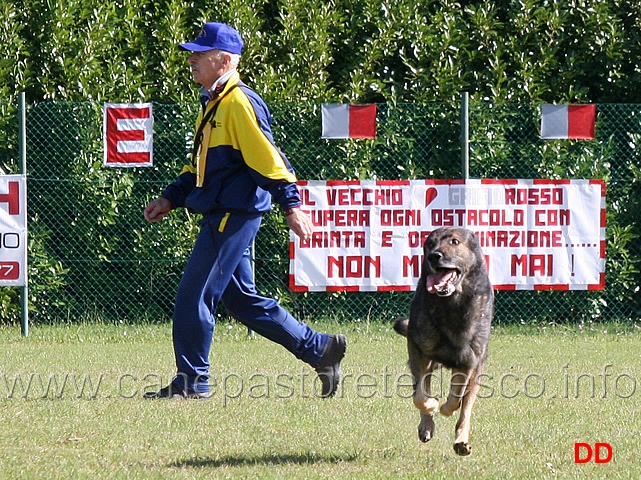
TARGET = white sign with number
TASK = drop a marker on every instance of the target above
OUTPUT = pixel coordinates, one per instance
(13, 230)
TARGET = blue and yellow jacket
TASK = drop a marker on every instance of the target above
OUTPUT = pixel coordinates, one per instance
(244, 169)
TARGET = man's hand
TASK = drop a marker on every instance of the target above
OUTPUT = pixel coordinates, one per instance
(157, 209)
(300, 223)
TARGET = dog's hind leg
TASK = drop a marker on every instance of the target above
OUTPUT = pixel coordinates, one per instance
(462, 440)
(458, 389)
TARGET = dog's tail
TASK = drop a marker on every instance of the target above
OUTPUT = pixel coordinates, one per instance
(400, 326)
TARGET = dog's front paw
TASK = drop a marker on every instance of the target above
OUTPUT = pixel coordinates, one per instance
(463, 448)
(426, 429)
(449, 407)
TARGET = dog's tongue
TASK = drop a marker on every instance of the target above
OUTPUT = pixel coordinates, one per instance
(438, 281)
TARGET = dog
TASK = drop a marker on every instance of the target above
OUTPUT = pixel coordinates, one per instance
(449, 325)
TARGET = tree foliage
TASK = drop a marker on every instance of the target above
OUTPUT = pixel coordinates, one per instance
(76, 54)
(524, 51)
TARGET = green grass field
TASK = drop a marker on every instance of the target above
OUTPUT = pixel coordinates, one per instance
(71, 407)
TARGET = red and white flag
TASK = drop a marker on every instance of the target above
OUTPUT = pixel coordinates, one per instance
(128, 134)
(567, 121)
(348, 121)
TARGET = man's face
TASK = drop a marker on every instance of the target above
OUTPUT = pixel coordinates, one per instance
(207, 67)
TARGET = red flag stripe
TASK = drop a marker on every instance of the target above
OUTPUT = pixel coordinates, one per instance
(581, 121)
(362, 121)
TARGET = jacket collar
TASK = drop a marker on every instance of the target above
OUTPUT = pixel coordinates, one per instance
(226, 81)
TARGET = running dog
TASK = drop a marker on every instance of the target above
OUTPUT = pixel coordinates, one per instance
(449, 325)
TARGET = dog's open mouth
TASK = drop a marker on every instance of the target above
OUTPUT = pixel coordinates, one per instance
(442, 282)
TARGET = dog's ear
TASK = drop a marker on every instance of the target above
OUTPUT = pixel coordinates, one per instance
(472, 240)
(429, 240)
(475, 246)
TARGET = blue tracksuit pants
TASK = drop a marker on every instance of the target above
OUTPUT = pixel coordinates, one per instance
(220, 269)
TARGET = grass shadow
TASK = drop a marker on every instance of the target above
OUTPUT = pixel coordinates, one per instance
(268, 459)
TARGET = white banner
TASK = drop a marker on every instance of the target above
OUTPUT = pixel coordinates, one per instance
(13, 230)
(368, 235)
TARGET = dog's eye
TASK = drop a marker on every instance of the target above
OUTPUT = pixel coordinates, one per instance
(454, 241)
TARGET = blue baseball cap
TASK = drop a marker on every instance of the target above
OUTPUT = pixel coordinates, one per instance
(218, 36)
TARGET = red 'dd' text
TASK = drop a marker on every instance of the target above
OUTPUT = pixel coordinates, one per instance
(583, 452)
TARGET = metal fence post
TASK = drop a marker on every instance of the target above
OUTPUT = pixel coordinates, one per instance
(465, 135)
(22, 142)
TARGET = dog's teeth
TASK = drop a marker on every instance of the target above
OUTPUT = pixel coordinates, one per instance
(446, 290)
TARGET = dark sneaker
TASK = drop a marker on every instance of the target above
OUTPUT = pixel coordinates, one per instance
(175, 392)
(329, 367)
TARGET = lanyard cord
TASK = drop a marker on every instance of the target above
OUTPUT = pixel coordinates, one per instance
(207, 118)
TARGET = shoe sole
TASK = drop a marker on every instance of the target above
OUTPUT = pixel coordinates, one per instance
(178, 396)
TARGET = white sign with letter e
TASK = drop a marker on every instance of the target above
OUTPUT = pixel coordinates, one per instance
(128, 135)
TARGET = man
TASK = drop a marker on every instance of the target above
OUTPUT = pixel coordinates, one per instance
(235, 173)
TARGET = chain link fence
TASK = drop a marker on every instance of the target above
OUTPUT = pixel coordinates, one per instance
(92, 255)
